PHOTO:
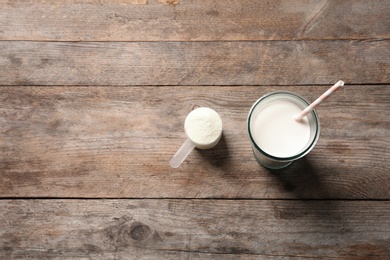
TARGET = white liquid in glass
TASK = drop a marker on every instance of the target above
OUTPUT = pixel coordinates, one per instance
(277, 133)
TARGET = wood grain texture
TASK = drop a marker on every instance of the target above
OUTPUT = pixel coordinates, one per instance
(105, 142)
(195, 229)
(93, 96)
(195, 63)
(193, 20)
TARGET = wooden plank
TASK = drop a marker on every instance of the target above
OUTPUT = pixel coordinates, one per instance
(195, 63)
(101, 142)
(199, 229)
(193, 20)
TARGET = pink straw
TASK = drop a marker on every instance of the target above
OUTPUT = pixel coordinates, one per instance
(319, 100)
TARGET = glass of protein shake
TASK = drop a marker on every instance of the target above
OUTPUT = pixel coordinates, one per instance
(277, 139)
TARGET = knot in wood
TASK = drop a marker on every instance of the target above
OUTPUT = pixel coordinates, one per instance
(140, 232)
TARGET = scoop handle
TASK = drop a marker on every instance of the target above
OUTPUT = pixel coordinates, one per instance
(182, 153)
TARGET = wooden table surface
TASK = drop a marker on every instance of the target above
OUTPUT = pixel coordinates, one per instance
(93, 99)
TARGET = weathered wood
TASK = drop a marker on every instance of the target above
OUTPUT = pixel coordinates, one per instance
(199, 229)
(194, 63)
(103, 142)
(193, 20)
(93, 98)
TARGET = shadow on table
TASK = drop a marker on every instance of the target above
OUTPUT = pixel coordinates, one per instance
(303, 179)
(307, 182)
(218, 156)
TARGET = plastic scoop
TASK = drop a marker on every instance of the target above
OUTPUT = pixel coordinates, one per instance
(203, 127)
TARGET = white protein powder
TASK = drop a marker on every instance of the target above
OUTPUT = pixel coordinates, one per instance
(203, 126)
